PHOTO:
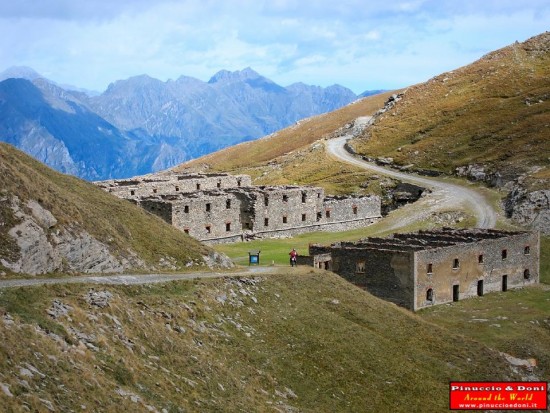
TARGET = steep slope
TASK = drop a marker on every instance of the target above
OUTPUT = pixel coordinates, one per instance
(306, 341)
(143, 125)
(56, 127)
(51, 222)
(494, 112)
(296, 154)
(231, 107)
(489, 121)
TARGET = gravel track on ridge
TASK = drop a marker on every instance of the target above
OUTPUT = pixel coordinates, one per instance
(444, 195)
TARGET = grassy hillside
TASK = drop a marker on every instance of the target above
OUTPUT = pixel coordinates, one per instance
(295, 155)
(80, 206)
(495, 111)
(302, 341)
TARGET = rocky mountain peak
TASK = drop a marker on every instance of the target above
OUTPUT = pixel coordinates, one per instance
(236, 76)
(20, 72)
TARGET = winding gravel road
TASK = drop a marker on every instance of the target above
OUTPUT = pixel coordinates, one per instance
(452, 194)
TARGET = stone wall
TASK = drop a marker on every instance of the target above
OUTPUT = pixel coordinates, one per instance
(341, 209)
(224, 208)
(160, 185)
(286, 207)
(208, 215)
(476, 265)
(384, 273)
(435, 267)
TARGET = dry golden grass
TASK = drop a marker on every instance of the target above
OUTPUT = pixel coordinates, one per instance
(81, 206)
(305, 340)
(253, 157)
(495, 111)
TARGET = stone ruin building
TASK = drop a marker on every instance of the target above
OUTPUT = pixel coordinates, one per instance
(426, 268)
(217, 208)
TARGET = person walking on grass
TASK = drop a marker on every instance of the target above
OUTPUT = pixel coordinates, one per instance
(293, 254)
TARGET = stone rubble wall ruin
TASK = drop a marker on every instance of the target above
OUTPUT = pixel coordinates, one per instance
(429, 267)
(217, 208)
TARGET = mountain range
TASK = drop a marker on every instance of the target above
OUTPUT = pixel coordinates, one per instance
(141, 124)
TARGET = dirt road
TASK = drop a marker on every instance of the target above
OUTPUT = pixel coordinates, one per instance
(444, 195)
(129, 279)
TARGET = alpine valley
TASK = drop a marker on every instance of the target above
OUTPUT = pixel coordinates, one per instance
(143, 125)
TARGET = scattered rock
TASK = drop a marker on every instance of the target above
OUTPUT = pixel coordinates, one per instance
(8, 319)
(58, 309)
(217, 260)
(6, 389)
(531, 209)
(98, 298)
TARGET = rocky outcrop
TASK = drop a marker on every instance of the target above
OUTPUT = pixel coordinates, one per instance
(530, 209)
(216, 260)
(44, 248)
(482, 173)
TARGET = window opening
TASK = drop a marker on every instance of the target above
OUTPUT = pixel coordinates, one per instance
(456, 263)
(504, 254)
(527, 250)
(285, 198)
(429, 270)
(208, 206)
(228, 226)
(456, 292)
(266, 201)
(430, 294)
(186, 209)
(304, 196)
(526, 274)
(303, 217)
(266, 222)
(360, 267)
(228, 204)
(327, 213)
(284, 219)
(208, 229)
(198, 187)
(480, 259)
(480, 288)
(354, 208)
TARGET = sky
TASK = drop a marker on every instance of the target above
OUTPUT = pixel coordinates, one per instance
(360, 44)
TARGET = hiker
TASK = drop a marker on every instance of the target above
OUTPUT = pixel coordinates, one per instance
(293, 254)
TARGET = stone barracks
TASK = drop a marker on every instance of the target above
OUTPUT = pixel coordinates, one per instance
(217, 208)
(426, 268)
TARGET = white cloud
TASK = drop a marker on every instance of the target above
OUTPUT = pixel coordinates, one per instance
(375, 44)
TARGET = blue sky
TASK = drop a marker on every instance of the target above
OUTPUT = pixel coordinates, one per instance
(363, 45)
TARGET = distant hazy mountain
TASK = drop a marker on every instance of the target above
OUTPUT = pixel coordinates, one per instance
(231, 107)
(53, 126)
(367, 93)
(141, 124)
(19, 72)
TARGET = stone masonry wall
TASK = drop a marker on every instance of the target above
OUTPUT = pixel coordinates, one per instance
(209, 215)
(218, 208)
(385, 274)
(465, 265)
(281, 208)
(141, 187)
